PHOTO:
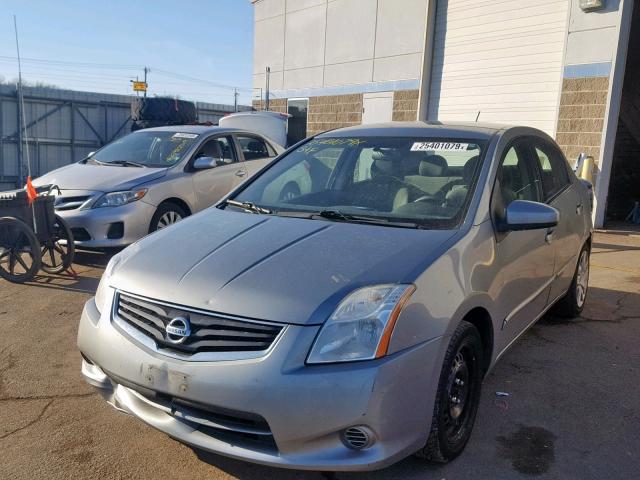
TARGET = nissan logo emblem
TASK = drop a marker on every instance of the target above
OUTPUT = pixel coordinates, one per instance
(178, 330)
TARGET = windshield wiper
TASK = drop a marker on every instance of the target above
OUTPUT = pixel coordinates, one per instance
(346, 217)
(247, 206)
(125, 163)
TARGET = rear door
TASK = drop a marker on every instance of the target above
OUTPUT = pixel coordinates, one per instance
(255, 151)
(524, 258)
(559, 192)
(213, 184)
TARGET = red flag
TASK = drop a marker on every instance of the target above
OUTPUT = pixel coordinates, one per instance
(31, 191)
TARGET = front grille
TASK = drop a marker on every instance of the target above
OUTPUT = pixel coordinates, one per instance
(70, 203)
(208, 332)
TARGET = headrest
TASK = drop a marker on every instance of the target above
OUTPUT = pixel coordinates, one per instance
(212, 149)
(255, 146)
(385, 161)
(469, 168)
(433, 166)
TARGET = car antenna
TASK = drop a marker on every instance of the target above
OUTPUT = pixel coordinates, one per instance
(478, 116)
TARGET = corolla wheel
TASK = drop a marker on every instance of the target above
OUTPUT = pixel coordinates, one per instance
(20, 257)
(166, 215)
(458, 396)
(572, 304)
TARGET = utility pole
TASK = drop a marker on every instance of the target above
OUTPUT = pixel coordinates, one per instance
(146, 70)
(235, 99)
(266, 95)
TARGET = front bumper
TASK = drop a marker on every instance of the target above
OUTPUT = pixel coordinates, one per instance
(96, 222)
(306, 408)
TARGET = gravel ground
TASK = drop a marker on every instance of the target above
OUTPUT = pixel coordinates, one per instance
(573, 411)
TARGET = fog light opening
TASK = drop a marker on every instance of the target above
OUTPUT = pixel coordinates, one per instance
(357, 438)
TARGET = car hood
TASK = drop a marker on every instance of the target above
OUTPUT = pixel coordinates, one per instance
(101, 178)
(271, 268)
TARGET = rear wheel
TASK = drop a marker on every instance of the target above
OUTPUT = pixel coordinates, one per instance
(458, 396)
(166, 215)
(572, 304)
(20, 256)
(59, 250)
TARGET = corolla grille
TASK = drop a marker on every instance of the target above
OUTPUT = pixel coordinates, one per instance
(192, 332)
(70, 203)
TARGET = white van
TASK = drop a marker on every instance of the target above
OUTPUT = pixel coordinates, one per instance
(272, 125)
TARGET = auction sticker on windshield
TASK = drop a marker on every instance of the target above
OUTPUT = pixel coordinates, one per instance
(185, 135)
(439, 146)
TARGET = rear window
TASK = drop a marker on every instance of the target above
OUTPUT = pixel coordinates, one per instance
(424, 181)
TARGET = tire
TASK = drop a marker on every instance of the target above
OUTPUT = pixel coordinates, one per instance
(572, 304)
(460, 383)
(166, 215)
(20, 257)
(167, 110)
(59, 251)
(289, 192)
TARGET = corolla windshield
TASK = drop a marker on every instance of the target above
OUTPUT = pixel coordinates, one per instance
(399, 182)
(156, 149)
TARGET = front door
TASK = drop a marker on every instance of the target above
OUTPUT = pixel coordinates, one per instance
(524, 258)
(213, 184)
(559, 192)
(377, 107)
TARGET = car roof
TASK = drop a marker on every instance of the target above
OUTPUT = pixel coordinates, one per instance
(198, 129)
(482, 131)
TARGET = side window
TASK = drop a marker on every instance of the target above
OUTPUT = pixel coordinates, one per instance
(254, 148)
(218, 148)
(552, 169)
(516, 179)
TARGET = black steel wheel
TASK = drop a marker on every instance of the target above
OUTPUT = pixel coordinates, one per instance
(458, 396)
(58, 251)
(20, 256)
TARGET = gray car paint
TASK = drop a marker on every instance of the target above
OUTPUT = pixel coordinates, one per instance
(295, 272)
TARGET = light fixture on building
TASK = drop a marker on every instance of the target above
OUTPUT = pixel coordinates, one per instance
(591, 5)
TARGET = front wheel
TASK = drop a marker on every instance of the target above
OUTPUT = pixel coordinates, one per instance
(458, 396)
(166, 215)
(20, 256)
(572, 304)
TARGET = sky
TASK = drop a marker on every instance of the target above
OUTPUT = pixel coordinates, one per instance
(196, 49)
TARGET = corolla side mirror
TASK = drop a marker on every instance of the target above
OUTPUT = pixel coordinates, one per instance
(526, 215)
(204, 163)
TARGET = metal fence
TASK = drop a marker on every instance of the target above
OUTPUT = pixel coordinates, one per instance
(63, 126)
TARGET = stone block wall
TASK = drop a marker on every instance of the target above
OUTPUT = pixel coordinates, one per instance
(333, 111)
(275, 105)
(405, 105)
(581, 119)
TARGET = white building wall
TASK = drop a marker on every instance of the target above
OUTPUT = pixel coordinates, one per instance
(324, 44)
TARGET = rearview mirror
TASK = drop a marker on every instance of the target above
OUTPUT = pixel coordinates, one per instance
(205, 163)
(527, 215)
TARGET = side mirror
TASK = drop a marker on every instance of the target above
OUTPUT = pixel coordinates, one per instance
(526, 215)
(205, 163)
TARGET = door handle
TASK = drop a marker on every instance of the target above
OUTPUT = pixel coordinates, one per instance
(240, 173)
(578, 209)
(549, 236)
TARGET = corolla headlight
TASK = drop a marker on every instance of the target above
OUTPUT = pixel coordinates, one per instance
(361, 326)
(117, 199)
(103, 293)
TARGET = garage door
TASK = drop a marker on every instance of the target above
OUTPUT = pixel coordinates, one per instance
(500, 58)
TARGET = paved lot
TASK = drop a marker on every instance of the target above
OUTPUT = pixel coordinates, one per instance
(573, 410)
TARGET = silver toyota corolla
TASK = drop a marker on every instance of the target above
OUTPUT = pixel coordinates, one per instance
(350, 324)
(152, 178)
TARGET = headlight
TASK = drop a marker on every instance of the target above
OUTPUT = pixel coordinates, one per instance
(103, 292)
(361, 326)
(117, 199)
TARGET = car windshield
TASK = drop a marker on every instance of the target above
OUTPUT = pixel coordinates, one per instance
(156, 149)
(410, 182)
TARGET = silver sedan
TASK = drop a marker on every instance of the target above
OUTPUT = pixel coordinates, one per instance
(153, 178)
(348, 325)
